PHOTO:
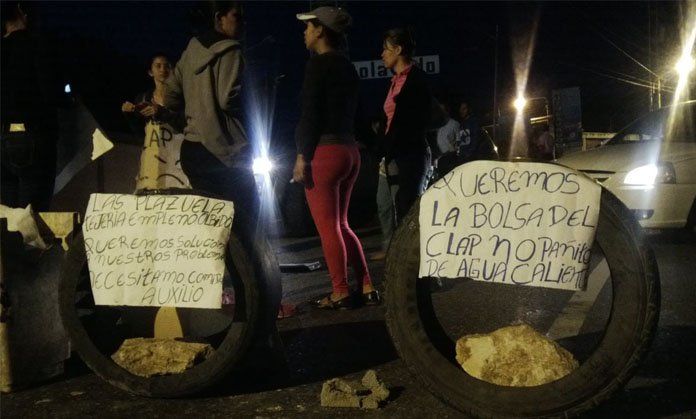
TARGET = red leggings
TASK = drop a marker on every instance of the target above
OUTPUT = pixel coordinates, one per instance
(334, 171)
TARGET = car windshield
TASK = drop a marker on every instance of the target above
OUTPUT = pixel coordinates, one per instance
(654, 127)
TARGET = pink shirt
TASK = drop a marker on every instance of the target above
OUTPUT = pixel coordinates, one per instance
(397, 83)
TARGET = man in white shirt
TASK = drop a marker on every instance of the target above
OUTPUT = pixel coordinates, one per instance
(447, 140)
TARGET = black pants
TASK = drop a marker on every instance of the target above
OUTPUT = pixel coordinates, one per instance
(209, 174)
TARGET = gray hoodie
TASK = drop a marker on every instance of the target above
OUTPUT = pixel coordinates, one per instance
(206, 82)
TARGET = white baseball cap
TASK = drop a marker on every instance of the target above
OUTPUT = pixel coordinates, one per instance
(334, 18)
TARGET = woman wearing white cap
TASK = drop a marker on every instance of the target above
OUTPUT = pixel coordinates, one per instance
(328, 160)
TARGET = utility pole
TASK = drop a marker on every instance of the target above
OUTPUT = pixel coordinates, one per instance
(656, 86)
(659, 93)
(495, 85)
(650, 59)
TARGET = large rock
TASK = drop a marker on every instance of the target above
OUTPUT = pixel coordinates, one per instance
(515, 356)
(146, 357)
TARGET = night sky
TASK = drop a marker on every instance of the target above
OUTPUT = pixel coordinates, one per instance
(104, 47)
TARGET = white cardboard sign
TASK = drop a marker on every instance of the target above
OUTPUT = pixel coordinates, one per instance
(521, 223)
(157, 250)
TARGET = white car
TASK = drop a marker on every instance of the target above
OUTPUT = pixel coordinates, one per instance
(650, 166)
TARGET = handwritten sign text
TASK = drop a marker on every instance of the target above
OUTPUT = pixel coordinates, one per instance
(514, 223)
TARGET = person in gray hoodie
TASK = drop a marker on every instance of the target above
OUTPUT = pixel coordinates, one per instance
(216, 155)
(206, 84)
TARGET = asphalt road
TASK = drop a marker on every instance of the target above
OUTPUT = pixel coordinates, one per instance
(320, 345)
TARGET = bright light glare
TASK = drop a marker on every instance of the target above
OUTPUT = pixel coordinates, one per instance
(67, 88)
(643, 175)
(685, 63)
(684, 66)
(520, 103)
(262, 166)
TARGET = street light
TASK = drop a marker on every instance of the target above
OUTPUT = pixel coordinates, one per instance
(684, 65)
(520, 103)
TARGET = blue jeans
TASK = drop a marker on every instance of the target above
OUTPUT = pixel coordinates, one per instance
(385, 206)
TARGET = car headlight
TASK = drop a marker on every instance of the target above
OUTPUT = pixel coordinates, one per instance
(650, 174)
(262, 166)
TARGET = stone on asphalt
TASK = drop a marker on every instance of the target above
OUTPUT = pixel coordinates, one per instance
(147, 357)
(378, 389)
(370, 402)
(370, 379)
(516, 356)
(368, 394)
(339, 393)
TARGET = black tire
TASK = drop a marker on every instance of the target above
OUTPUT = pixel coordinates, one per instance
(429, 353)
(257, 294)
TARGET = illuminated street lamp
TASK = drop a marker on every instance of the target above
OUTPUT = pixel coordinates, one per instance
(520, 103)
(684, 66)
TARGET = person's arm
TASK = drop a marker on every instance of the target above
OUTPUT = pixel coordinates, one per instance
(133, 118)
(177, 120)
(148, 109)
(174, 95)
(411, 115)
(299, 171)
(228, 81)
(422, 101)
(309, 126)
(380, 135)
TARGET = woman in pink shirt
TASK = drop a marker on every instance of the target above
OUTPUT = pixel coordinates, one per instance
(407, 111)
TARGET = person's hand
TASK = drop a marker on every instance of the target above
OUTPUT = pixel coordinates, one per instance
(300, 170)
(149, 110)
(127, 107)
(382, 168)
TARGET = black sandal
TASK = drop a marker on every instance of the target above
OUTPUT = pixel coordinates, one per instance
(326, 303)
